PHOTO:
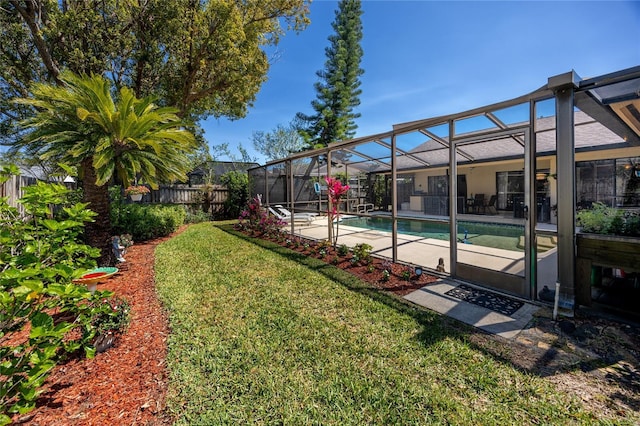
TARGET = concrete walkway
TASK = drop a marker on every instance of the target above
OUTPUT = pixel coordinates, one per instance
(433, 297)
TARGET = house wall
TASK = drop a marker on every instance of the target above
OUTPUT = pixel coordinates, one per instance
(481, 179)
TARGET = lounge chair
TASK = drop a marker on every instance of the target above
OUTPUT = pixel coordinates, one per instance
(286, 212)
(491, 207)
(297, 218)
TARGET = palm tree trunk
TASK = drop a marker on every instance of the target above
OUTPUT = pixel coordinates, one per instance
(98, 233)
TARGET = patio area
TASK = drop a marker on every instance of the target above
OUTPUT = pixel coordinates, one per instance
(525, 165)
(426, 252)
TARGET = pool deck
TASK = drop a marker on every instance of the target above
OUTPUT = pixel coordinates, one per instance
(425, 252)
(417, 250)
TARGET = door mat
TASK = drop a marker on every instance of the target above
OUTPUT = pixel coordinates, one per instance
(486, 299)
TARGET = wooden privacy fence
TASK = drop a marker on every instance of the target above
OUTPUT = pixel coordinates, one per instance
(12, 189)
(210, 198)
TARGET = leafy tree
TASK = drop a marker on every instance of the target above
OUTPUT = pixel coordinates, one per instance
(244, 157)
(280, 142)
(203, 57)
(338, 89)
(128, 139)
(237, 184)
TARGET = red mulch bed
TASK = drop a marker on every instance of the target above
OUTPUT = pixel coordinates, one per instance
(371, 272)
(395, 284)
(125, 385)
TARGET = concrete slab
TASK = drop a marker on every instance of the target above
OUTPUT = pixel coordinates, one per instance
(433, 297)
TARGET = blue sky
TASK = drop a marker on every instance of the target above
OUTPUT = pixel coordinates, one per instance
(429, 58)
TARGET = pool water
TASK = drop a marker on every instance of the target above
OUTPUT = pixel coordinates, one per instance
(496, 235)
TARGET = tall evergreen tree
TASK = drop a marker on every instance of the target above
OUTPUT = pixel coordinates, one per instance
(339, 87)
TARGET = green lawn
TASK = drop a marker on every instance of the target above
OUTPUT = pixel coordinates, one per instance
(263, 336)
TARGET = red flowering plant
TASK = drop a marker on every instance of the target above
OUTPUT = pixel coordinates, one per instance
(255, 219)
(335, 190)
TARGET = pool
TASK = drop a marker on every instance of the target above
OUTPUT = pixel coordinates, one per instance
(497, 235)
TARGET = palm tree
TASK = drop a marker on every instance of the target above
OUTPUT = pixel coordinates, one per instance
(131, 139)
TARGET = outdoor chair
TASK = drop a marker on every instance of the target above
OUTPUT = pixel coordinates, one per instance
(286, 212)
(297, 218)
(478, 203)
(491, 207)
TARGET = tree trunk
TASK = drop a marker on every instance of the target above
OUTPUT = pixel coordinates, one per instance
(97, 233)
(31, 18)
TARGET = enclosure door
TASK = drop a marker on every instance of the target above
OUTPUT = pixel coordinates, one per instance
(493, 247)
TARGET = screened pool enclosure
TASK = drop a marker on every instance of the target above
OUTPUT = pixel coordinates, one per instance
(492, 191)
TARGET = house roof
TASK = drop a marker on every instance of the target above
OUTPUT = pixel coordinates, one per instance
(606, 117)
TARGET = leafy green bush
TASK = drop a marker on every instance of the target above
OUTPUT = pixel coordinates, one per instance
(144, 222)
(196, 215)
(601, 219)
(237, 184)
(362, 251)
(343, 250)
(44, 317)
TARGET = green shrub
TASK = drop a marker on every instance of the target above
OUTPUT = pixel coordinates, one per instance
(237, 184)
(406, 273)
(601, 219)
(40, 255)
(144, 222)
(343, 250)
(196, 215)
(363, 252)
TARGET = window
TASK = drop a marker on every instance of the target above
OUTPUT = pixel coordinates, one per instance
(438, 185)
(613, 182)
(628, 182)
(510, 188)
(595, 182)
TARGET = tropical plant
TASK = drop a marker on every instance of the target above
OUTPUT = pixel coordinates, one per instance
(127, 139)
(40, 255)
(335, 191)
(255, 219)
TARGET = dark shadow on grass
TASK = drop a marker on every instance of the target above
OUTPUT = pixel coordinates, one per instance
(436, 326)
(538, 361)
